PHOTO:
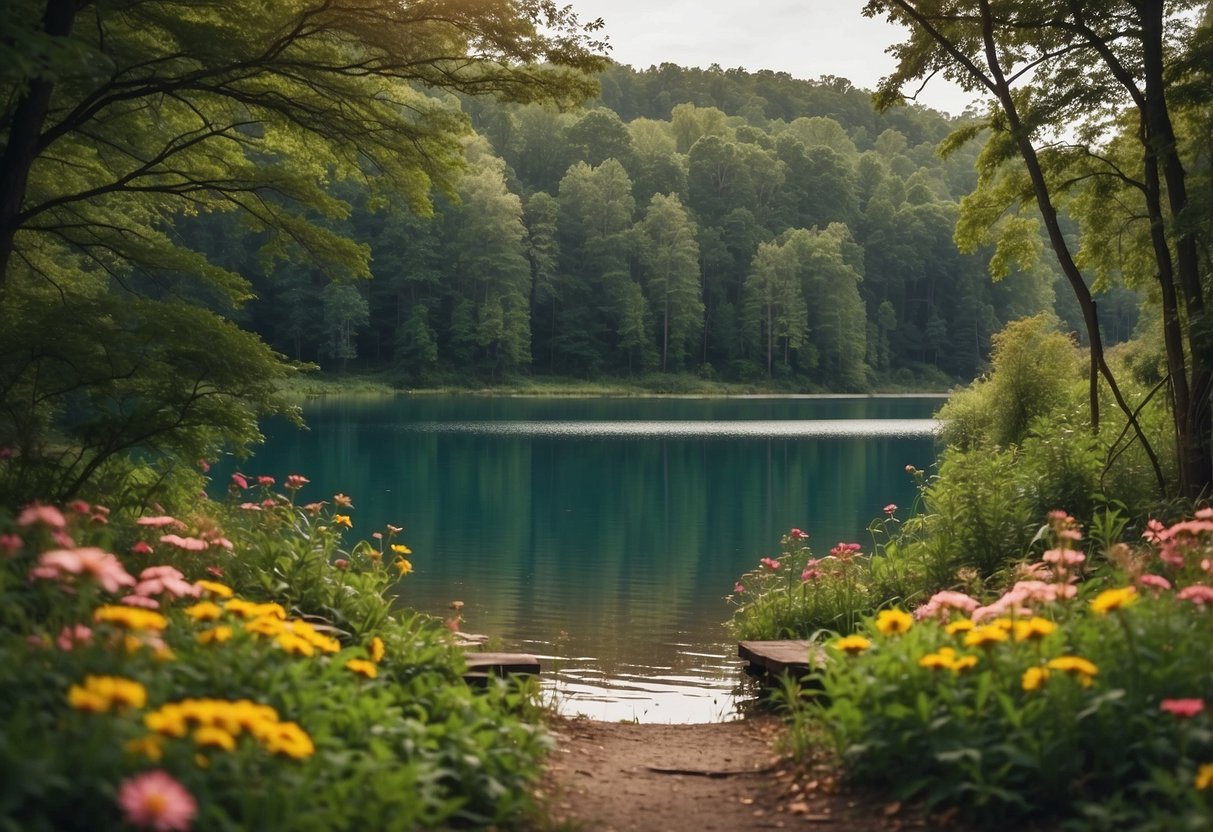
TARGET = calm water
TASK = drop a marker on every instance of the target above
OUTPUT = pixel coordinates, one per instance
(603, 534)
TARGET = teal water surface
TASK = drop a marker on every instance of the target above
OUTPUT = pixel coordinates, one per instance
(603, 534)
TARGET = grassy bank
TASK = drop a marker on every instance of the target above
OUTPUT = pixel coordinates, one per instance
(654, 384)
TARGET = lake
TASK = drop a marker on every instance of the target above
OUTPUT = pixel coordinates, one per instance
(603, 533)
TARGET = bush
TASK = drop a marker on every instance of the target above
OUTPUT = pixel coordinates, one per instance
(1088, 702)
(272, 687)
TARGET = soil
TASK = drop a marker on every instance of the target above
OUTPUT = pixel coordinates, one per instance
(718, 777)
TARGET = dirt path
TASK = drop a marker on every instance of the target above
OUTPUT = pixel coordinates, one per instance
(722, 777)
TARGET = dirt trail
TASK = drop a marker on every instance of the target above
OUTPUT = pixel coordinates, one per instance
(721, 777)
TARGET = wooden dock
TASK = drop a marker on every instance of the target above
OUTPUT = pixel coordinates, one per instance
(482, 666)
(794, 656)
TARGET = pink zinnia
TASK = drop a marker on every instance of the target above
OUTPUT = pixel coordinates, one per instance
(890, 508)
(811, 572)
(738, 588)
(1182, 708)
(264, 480)
(141, 547)
(140, 601)
(250, 506)
(79, 507)
(797, 534)
(157, 580)
(189, 544)
(9, 544)
(154, 800)
(72, 637)
(296, 481)
(770, 563)
(101, 565)
(942, 603)
(1156, 581)
(1196, 593)
(38, 513)
(239, 480)
(1065, 557)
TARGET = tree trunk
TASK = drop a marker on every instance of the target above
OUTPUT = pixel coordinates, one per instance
(22, 148)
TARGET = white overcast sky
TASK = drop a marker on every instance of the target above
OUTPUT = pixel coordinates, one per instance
(807, 39)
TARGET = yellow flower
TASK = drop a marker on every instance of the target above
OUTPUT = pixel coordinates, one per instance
(893, 622)
(377, 649)
(964, 663)
(101, 693)
(1113, 599)
(1034, 678)
(362, 667)
(295, 645)
(1204, 776)
(130, 618)
(343, 520)
(168, 721)
(1076, 666)
(960, 625)
(1003, 623)
(216, 589)
(287, 738)
(271, 609)
(401, 549)
(853, 645)
(215, 635)
(265, 626)
(240, 607)
(211, 737)
(945, 659)
(1033, 629)
(204, 611)
(981, 636)
(405, 566)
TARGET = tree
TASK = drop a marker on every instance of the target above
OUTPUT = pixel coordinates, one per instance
(671, 259)
(119, 118)
(775, 309)
(1085, 68)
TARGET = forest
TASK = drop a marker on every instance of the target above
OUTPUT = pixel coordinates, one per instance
(735, 225)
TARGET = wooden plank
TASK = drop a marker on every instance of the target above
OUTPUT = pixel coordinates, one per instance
(502, 664)
(795, 656)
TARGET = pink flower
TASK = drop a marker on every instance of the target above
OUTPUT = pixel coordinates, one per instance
(239, 480)
(159, 580)
(1153, 532)
(1182, 708)
(140, 601)
(72, 637)
(1065, 557)
(79, 507)
(341, 563)
(1156, 581)
(189, 544)
(268, 502)
(1197, 594)
(46, 515)
(160, 521)
(811, 572)
(215, 571)
(770, 563)
(154, 800)
(845, 551)
(797, 534)
(296, 481)
(9, 544)
(106, 569)
(890, 509)
(221, 542)
(204, 466)
(942, 603)
(250, 506)
(264, 480)
(141, 547)
(738, 588)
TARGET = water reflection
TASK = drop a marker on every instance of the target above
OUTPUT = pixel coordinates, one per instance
(603, 534)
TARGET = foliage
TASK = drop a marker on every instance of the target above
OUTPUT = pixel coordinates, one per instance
(290, 695)
(795, 595)
(155, 156)
(1084, 703)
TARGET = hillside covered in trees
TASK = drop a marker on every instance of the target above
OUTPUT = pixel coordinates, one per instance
(736, 225)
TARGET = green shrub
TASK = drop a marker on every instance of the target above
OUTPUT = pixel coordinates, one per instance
(362, 720)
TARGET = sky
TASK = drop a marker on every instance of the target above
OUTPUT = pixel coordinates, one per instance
(807, 39)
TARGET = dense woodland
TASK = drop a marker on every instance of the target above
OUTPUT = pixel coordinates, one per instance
(736, 225)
